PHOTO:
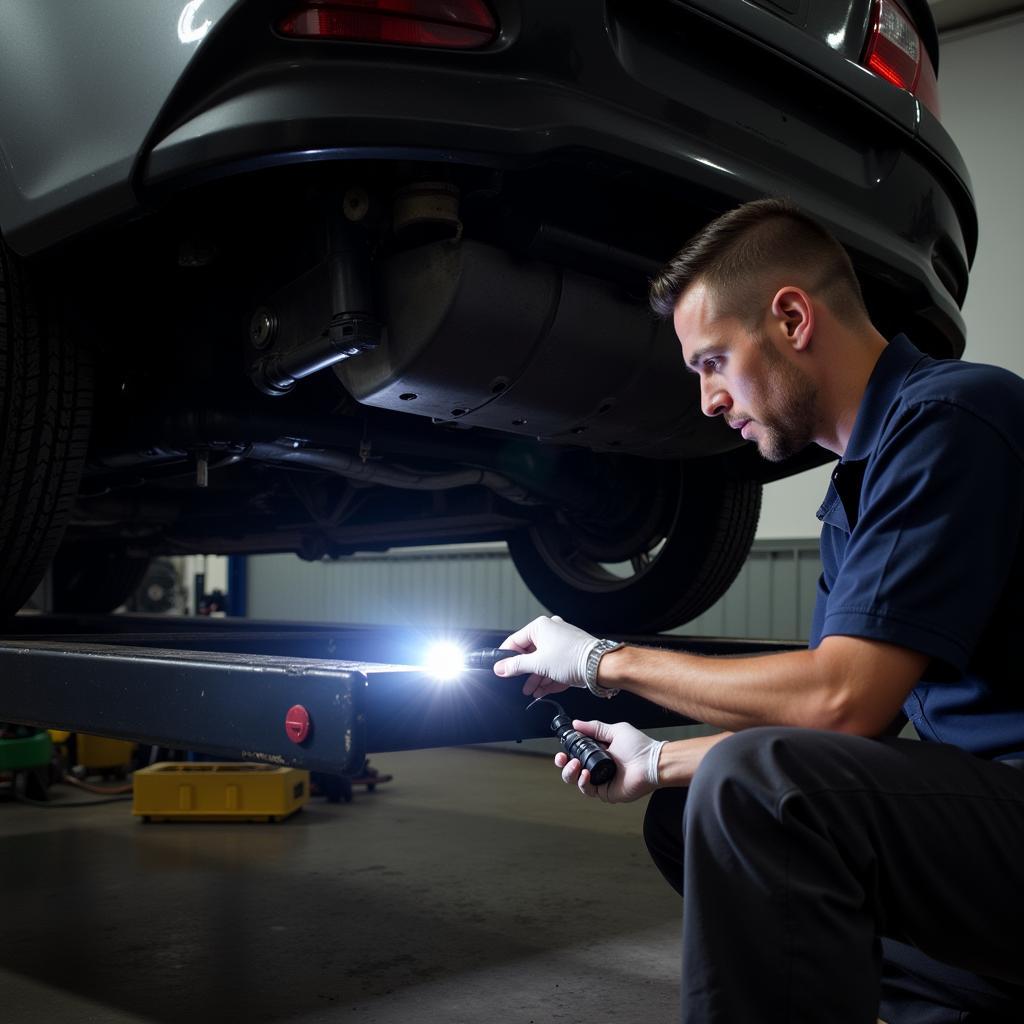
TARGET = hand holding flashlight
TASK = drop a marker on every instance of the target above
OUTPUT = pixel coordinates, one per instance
(593, 758)
(553, 653)
(636, 755)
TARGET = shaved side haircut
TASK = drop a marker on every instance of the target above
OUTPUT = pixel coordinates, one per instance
(742, 256)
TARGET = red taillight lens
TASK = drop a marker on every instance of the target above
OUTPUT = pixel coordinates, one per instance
(895, 52)
(458, 24)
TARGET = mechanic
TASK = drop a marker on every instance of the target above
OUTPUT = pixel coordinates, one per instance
(832, 871)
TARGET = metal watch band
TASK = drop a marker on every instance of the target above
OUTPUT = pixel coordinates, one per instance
(597, 652)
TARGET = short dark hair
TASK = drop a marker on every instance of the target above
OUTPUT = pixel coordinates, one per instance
(738, 256)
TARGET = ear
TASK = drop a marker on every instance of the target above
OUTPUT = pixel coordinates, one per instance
(793, 313)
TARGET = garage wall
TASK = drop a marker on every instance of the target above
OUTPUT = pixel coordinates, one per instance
(475, 586)
(982, 90)
(471, 586)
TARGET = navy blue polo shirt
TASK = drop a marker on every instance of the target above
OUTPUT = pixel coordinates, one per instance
(921, 542)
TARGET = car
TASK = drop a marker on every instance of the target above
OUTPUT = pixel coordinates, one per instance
(328, 276)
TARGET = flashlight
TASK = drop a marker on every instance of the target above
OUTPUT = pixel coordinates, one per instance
(447, 661)
(590, 753)
(488, 657)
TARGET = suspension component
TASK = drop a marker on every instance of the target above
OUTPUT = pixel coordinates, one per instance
(347, 335)
(321, 318)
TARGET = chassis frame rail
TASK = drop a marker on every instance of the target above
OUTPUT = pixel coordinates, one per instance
(229, 687)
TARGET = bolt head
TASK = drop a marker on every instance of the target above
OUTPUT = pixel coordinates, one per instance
(356, 204)
(262, 328)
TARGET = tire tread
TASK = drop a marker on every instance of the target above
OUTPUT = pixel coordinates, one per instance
(702, 556)
(45, 414)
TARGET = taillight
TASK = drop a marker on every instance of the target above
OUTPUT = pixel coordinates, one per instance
(453, 24)
(895, 52)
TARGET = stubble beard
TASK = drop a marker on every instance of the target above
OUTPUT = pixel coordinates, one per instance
(788, 408)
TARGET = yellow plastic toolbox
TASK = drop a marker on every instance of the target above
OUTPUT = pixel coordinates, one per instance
(218, 791)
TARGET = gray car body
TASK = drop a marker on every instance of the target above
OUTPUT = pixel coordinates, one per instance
(84, 84)
(85, 87)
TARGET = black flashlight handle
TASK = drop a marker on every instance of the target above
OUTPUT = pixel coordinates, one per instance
(488, 657)
(590, 753)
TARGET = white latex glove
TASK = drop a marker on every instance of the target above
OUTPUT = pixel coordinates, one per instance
(554, 654)
(635, 753)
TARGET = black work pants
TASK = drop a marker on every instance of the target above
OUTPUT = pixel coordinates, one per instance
(832, 879)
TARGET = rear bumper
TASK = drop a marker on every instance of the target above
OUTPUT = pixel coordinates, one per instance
(719, 102)
(715, 100)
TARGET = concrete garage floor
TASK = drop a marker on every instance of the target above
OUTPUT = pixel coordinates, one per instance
(475, 887)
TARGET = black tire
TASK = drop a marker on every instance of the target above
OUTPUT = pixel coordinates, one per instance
(677, 573)
(45, 412)
(94, 581)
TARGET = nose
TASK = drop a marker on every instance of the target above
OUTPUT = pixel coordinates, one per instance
(714, 400)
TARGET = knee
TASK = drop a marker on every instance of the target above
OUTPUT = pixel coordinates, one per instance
(752, 768)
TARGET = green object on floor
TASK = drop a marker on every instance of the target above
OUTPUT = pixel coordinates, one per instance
(25, 752)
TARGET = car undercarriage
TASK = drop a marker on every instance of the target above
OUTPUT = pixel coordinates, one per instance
(345, 297)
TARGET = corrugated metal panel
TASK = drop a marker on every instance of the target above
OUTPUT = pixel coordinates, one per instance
(472, 587)
(477, 587)
(773, 596)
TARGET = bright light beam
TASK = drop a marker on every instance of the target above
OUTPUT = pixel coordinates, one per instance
(445, 661)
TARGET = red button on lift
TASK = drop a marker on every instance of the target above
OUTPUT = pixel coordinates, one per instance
(296, 723)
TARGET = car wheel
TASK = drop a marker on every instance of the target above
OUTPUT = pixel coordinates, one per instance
(45, 407)
(668, 576)
(94, 581)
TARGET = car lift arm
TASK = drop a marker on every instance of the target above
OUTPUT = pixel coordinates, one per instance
(276, 692)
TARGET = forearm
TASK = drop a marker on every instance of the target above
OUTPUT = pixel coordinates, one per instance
(680, 759)
(846, 683)
(790, 688)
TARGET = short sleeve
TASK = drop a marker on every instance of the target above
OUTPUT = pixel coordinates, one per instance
(939, 522)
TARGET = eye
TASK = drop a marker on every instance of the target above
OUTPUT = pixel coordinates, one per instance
(713, 364)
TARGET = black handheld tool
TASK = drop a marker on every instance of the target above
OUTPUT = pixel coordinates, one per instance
(488, 657)
(591, 754)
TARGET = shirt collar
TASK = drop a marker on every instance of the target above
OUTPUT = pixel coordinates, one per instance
(898, 358)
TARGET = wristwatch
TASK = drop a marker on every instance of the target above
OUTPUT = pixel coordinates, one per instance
(597, 652)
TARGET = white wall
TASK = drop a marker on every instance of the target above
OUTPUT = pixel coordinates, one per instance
(788, 506)
(982, 90)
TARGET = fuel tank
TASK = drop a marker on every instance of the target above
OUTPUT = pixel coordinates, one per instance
(479, 337)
